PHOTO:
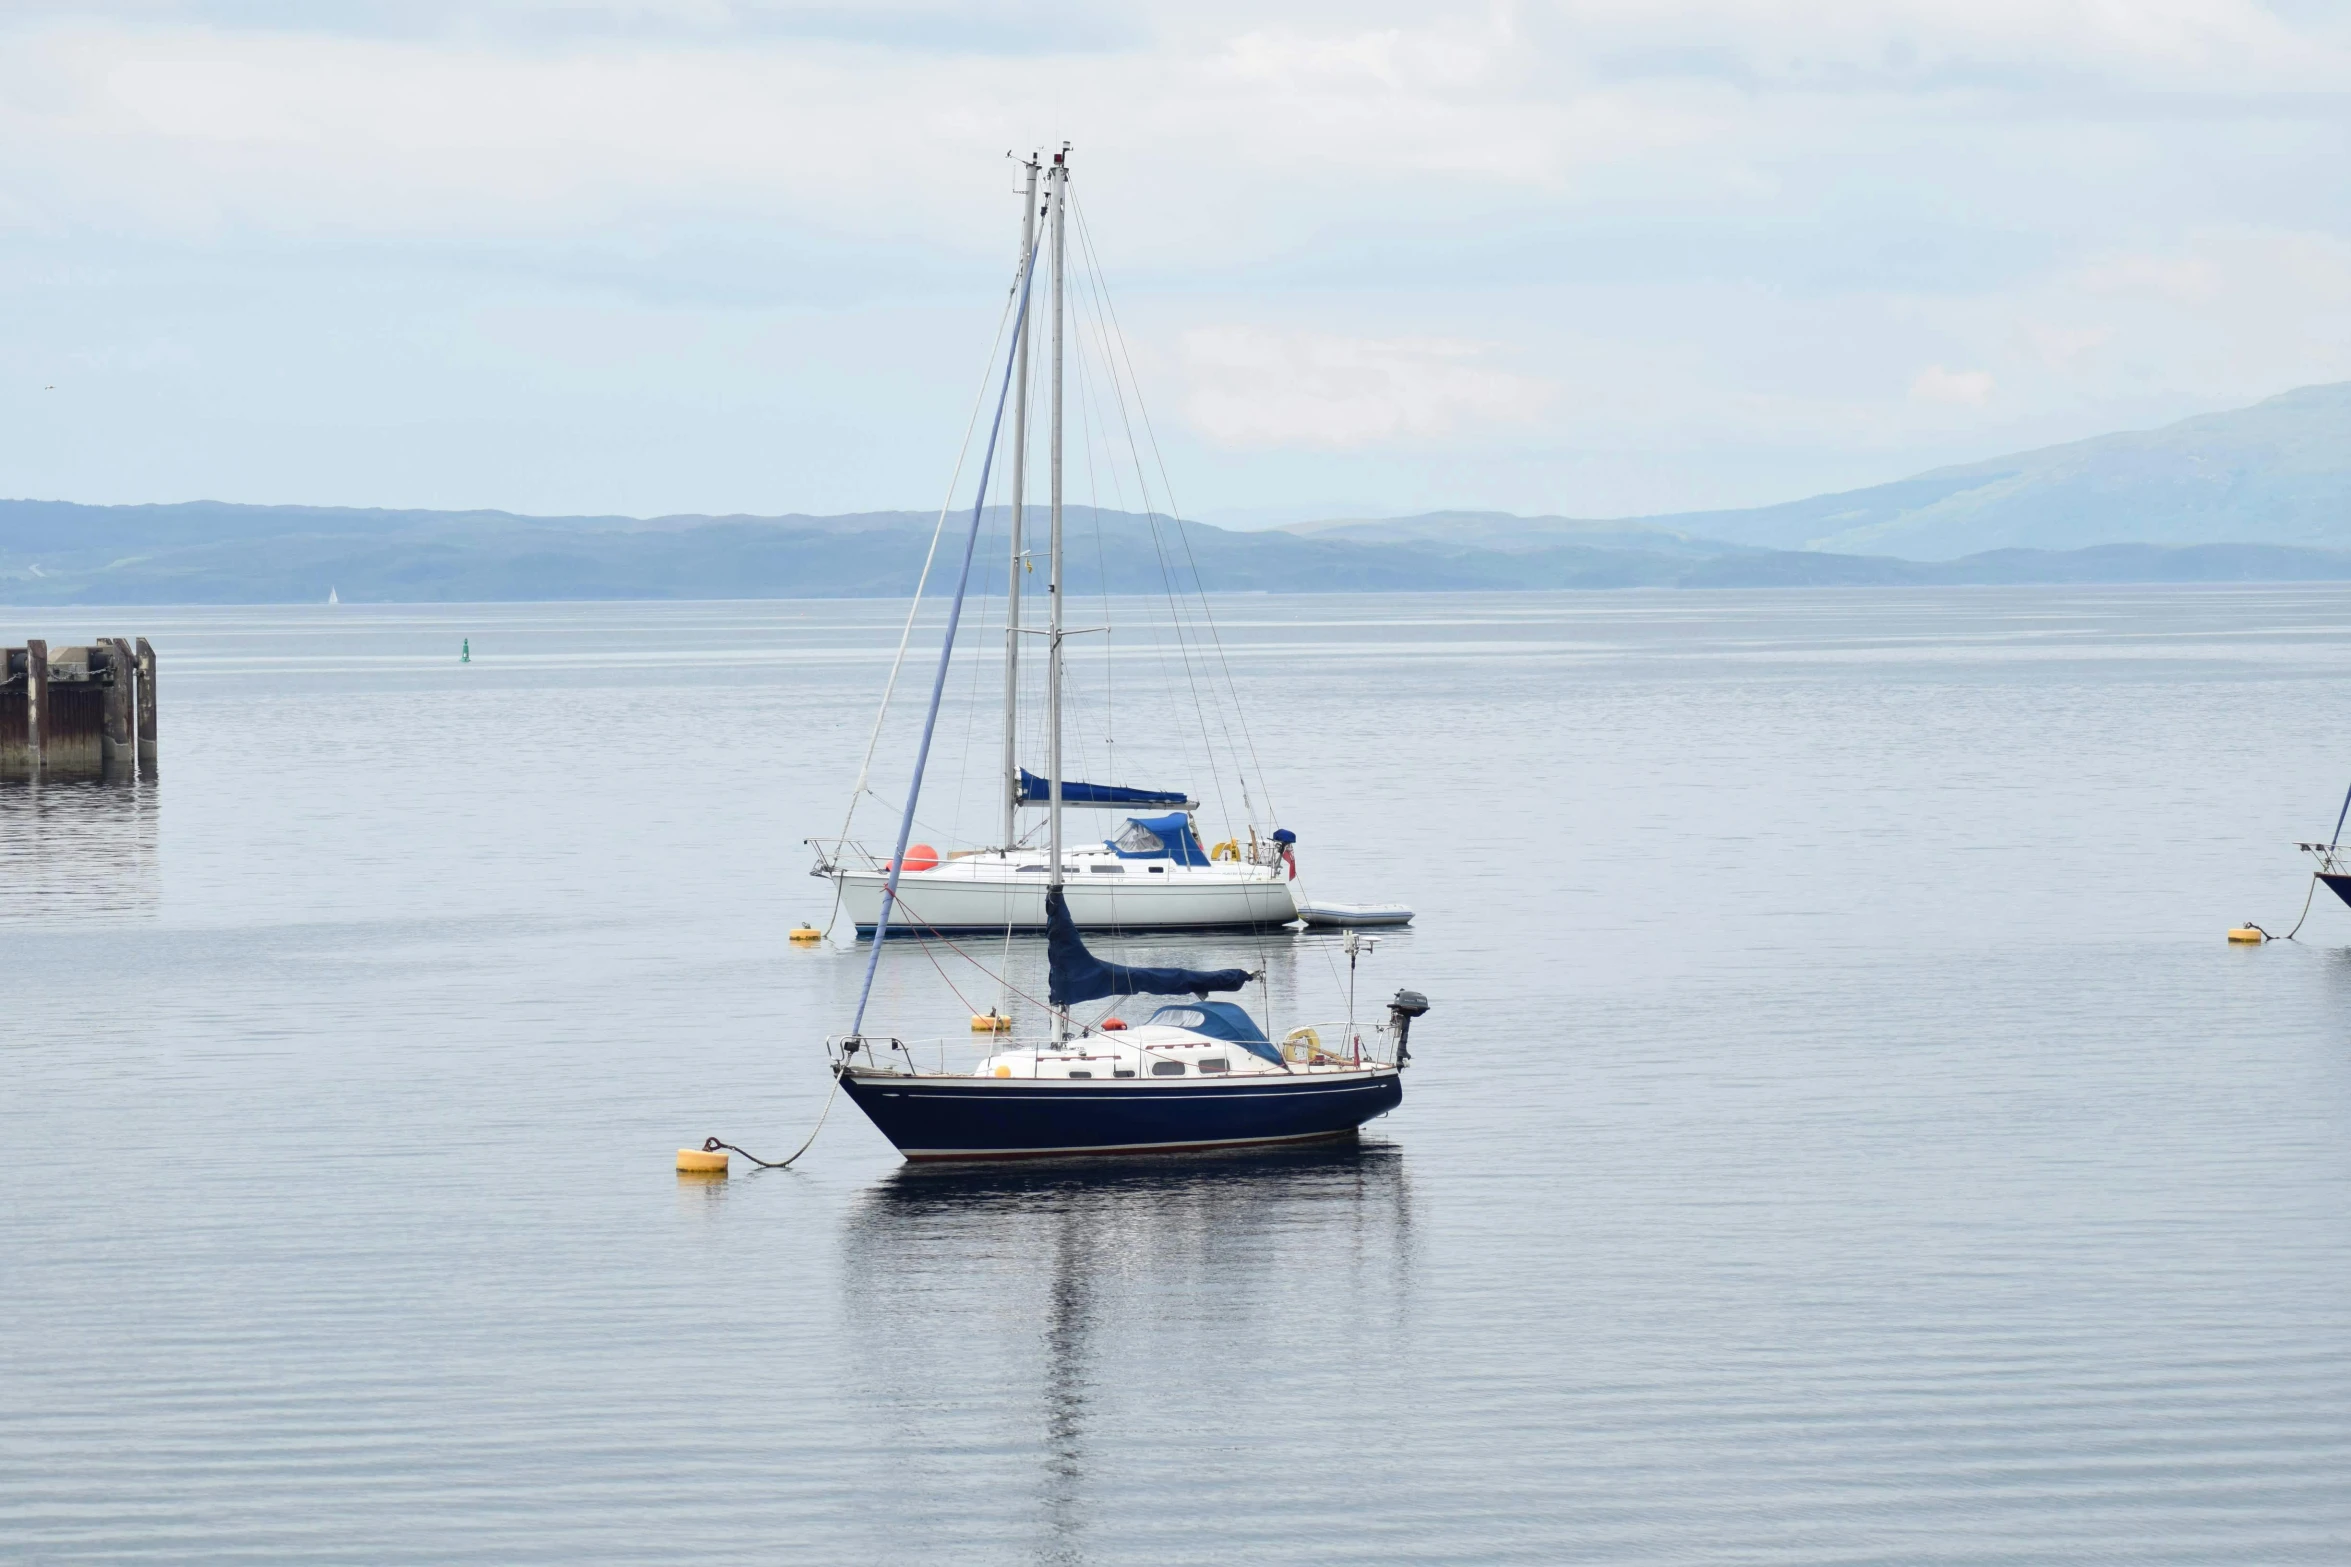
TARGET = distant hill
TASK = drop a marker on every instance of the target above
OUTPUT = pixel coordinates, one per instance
(205, 552)
(2258, 494)
(210, 553)
(2102, 563)
(2278, 472)
(1512, 534)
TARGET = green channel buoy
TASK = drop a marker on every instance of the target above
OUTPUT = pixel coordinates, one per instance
(465, 651)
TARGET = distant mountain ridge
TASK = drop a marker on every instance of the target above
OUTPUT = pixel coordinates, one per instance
(214, 552)
(2256, 494)
(1512, 534)
(2278, 472)
(210, 553)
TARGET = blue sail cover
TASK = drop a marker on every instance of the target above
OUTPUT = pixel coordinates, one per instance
(1162, 838)
(1220, 1020)
(1039, 791)
(1078, 975)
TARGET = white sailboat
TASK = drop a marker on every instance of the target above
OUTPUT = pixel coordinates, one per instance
(1153, 868)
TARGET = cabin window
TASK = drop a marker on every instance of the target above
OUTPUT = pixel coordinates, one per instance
(1212, 1064)
(1167, 1069)
(1074, 1072)
(1179, 1017)
(1108, 870)
(1122, 1071)
(1159, 870)
(1026, 869)
(1138, 839)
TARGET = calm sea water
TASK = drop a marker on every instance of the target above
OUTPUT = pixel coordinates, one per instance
(1842, 1134)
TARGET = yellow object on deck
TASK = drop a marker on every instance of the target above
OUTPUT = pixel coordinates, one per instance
(990, 1023)
(694, 1161)
(804, 934)
(2253, 933)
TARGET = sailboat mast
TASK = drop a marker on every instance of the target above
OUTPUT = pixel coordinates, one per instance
(1020, 495)
(1053, 579)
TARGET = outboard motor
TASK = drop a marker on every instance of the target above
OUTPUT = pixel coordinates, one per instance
(1288, 852)
(1408, 1005)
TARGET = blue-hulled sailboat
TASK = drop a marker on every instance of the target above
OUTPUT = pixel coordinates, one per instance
(1199, 1073)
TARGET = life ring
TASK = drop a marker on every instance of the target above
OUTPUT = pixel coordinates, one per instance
(1301, 1044)
(1230, 849)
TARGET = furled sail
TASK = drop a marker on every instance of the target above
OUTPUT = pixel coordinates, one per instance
(1039, 791)
(1078, 975)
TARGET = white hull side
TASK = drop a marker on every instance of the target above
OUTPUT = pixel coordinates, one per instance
(1178, 899)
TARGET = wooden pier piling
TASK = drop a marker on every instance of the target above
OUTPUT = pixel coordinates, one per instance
(146, 663)
(20, 757)
(77, 712)
(118, 738)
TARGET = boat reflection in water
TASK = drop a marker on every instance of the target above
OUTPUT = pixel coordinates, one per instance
(1099, 1315)
(78, 850)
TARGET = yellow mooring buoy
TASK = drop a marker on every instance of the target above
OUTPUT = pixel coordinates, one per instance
(696, 1161)
(806, 935)
(2250, 933)
(990, 1023)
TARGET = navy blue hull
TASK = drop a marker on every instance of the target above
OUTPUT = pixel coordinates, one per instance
(2340, 884)
(996, 1118)
(901, 932)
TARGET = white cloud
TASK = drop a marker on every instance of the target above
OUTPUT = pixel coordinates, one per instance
(2064, 347)
(185, 130)
(2228, 45)
(1728, 231)
(1302, 389)
(2181, 279)
(1967, 388)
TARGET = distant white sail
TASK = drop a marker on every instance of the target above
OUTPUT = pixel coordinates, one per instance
(331, 599)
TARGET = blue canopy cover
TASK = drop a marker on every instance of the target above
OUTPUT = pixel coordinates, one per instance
(1078, 975)
(1161, 838)
(1039, 791)
(1220, 1020)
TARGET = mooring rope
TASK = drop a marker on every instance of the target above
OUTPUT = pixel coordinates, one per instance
(2289, 935)
(713, 1145)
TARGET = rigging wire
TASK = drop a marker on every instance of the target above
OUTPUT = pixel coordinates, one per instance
(971, 721)
(1087, 419)
(1167, 485)
(922, 755)
(944, 940)
(1096, 291)
(858, 790)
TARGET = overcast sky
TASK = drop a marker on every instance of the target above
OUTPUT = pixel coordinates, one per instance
(1595, 258)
